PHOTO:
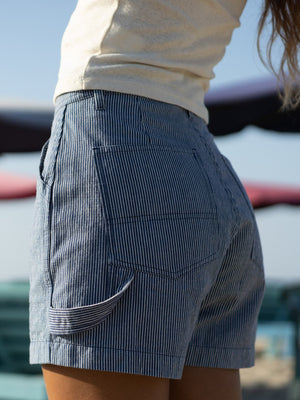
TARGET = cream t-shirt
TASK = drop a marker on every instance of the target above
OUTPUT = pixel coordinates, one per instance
(162, 49)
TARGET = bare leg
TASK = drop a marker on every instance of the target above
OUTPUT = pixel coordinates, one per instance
(206, 384)
(64, 383)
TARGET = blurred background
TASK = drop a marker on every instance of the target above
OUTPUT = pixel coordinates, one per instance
(31, 32)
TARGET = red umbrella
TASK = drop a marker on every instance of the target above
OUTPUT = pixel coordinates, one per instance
(261, 195)
(264, 195)
(16, 186)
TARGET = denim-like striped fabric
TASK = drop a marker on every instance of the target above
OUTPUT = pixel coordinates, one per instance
(145, 251)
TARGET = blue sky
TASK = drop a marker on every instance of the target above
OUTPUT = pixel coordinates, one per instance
(30, 52)
(31, 49)
(31, 32)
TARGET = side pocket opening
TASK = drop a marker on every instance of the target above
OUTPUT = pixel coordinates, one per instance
(42, 160)
(51, 148)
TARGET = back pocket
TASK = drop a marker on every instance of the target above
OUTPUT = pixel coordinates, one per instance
(159, 206)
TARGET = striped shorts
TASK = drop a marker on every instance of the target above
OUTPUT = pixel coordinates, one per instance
(145, 251)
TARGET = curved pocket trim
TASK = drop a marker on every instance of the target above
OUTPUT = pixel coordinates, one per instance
(66, 321)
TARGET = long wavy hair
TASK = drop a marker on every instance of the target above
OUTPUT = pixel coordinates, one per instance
(285, 23)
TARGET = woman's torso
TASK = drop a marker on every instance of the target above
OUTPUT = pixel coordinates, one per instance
(161, 49)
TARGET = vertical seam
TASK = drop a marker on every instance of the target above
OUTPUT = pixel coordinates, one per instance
(51, 205)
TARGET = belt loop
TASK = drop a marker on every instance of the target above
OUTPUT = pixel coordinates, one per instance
(99, 99)
(189, 114)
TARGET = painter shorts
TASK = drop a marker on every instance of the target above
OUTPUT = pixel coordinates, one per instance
(145, 252)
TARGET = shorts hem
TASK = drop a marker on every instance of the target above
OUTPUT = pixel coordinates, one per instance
(214, 357)
(107, 359)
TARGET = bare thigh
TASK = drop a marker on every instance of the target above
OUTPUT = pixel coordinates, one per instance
(64, 383)
(206, 384)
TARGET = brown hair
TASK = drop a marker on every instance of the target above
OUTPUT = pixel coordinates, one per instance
(285, 24)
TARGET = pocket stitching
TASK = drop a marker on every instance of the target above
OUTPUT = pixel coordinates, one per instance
(161, 217)
(146, 269)
(134, 147)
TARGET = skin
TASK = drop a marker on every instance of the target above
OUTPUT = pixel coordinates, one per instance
(64, 383)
